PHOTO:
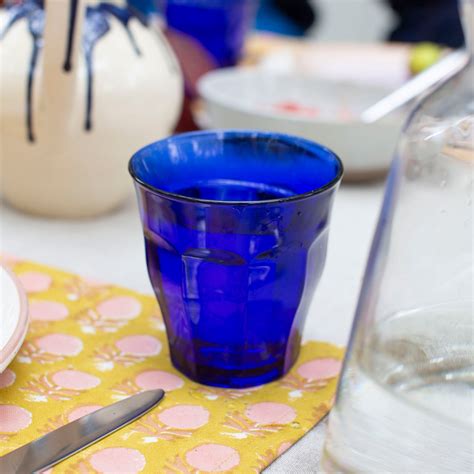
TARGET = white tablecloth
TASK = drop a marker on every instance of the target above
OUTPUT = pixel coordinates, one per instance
(110, 248)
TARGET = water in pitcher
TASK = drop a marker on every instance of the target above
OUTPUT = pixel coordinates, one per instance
(407, 401)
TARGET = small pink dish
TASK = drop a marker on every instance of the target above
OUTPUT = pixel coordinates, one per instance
(13, 317)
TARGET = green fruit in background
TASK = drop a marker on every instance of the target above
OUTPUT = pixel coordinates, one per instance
(423, 56)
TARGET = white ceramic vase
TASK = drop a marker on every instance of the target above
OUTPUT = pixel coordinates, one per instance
(83, 86)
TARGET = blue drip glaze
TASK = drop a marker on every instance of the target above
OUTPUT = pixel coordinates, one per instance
(16, 13)
(123, 15)
(34, 15)
(70, 37)
(35, 27)
(96, 26)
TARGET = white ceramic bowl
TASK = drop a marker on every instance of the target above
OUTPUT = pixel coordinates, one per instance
(13, 317)
(322, 110)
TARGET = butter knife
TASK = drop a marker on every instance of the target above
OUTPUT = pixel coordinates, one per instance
(53, 447)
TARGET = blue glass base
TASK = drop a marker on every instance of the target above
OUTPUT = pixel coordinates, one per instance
(226, 376)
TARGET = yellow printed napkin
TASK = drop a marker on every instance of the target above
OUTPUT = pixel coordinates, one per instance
(90, 344)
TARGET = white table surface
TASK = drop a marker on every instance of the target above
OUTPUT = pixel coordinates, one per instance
(110, 248)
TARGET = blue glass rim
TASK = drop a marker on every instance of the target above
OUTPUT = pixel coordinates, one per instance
(313, 149)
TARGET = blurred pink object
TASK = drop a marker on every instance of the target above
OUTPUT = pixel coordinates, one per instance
(194, 61)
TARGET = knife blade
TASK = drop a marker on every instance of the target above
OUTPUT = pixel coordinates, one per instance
(63, 442)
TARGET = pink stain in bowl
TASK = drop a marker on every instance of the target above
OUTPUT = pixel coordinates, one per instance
(60, 344)
(13, 418)
(7, 378)
(114, 460)
(120, 308)
(184, 417)
(34, 282)
(213, 457)
(42, 310)
(139, 345)
(152, 379)
(75, 379)
(79, 412)
(320, 369)
(268, 413)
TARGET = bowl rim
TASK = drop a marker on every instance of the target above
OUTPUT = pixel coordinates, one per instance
(206, 88)
(9, 351)
(307, 145)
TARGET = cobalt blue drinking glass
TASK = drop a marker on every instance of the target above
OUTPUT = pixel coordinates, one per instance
(236, 228)
(219, 25)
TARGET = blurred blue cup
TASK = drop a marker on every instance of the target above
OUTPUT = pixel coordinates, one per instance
(218, 25)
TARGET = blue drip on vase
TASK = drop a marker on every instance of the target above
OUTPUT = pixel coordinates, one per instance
(35, 26)
(34, 15)
(96, 26)
(73, 4)
(123, 15)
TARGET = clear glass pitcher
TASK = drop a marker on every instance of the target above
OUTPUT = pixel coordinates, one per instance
(406, 397)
